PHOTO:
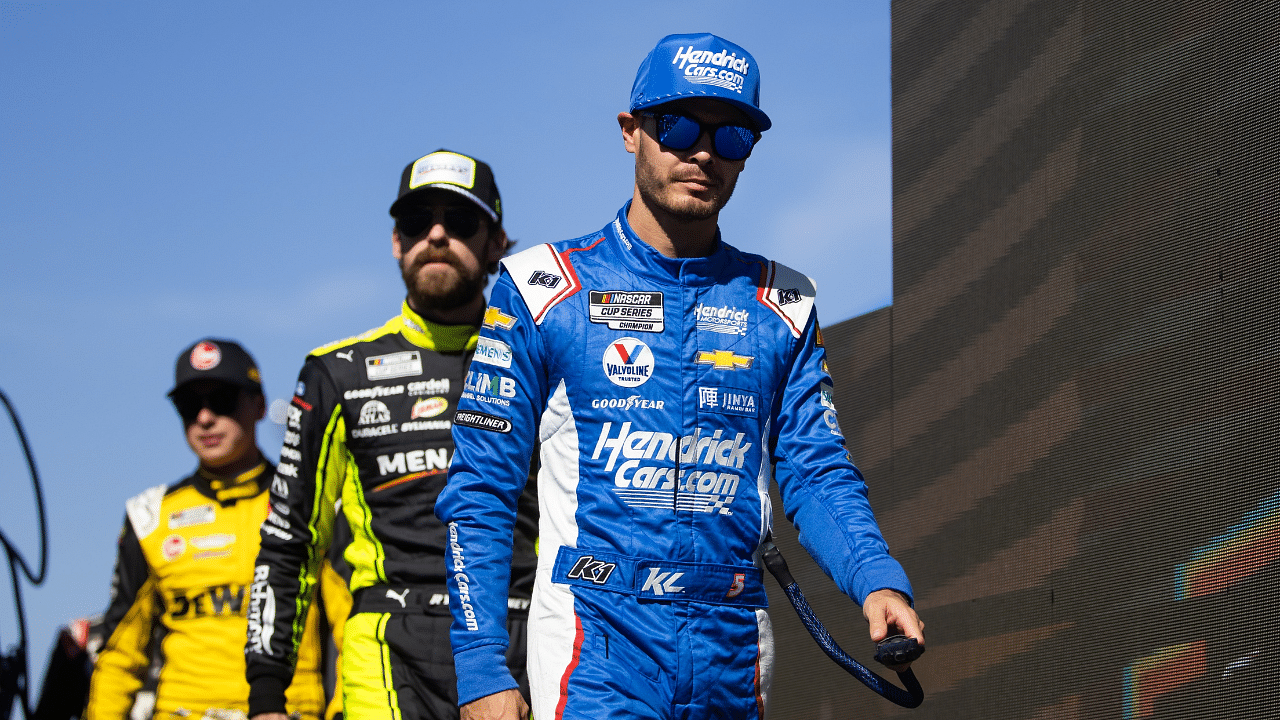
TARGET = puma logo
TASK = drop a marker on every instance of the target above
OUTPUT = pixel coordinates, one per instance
(346, 355)
(399, 597)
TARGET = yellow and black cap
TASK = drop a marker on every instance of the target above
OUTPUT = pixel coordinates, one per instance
(452, 172)
(214, 359)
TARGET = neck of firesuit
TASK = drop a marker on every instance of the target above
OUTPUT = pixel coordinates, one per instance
(227, 487)
(437, 337)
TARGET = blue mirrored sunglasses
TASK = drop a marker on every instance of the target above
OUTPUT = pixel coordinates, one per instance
(730, 141)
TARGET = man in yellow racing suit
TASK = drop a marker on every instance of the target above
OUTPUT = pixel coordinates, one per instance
(180, 589)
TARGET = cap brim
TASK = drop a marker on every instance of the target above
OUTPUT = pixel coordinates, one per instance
(407, 199)
(246, 384)
(761, 120)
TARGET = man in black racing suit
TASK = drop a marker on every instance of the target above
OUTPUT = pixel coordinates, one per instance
(369, 429)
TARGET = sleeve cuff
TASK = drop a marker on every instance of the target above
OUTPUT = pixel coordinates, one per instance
(266, 695)
(880, 574)
(482, 671)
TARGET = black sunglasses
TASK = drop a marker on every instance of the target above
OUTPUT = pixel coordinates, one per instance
(681, 132)
(459, 221)
(221, 400)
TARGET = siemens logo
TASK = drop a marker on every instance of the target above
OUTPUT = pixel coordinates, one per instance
(492, 352)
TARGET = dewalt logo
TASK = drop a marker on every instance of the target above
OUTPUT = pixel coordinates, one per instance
(204, 602)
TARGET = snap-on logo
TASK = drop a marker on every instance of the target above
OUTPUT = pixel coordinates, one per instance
(589, 568)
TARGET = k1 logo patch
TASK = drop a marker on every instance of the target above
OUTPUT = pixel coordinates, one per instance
(589, 568)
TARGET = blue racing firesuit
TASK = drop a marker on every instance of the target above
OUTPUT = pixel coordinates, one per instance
(666, 395)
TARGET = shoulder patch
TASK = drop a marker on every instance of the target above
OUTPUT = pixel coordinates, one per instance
(544, 278)
(788, 293)
(143, 510)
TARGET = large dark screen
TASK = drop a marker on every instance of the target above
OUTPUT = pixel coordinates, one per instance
(1068, 416)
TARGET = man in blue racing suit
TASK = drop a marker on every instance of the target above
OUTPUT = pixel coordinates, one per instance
(669, 378)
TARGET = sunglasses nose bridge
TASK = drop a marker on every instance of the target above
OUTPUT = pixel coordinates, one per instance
(205, 415)
(438, 230)
(705, 143)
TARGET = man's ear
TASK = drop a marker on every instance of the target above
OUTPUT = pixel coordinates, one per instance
(495, 249)
(259, 406)
(395, 244)
(630, 126)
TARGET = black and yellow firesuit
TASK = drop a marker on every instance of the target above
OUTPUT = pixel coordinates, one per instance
(371, 425)
(180, 592)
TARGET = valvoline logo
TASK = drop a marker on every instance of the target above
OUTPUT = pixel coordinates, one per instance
(628, 362)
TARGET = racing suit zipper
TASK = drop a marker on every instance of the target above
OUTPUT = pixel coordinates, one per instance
(675, 490)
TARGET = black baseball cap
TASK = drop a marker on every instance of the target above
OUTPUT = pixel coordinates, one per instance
(213, 359)
(453, 172)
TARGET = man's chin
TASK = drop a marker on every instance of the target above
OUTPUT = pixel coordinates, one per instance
(692, 208)
(441, 296)
(685, 205)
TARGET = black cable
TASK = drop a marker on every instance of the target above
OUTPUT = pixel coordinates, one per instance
(909, 698)
(14, 671)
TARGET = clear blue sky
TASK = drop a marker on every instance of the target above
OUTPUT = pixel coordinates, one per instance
(170, 170)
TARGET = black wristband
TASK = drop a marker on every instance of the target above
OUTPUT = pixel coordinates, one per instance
(266, 695)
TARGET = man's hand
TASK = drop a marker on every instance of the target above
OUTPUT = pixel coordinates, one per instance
(270, 716)
(505, 705)
(885, 609)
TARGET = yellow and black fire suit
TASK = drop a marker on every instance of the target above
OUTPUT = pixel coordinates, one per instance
(371, 425)
(179, 593)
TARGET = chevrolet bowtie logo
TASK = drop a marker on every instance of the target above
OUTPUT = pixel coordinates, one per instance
(495, 318)
(724, 359)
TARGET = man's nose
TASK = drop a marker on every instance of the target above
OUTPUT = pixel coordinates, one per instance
(701, 150)
(437, 235)
(206, 417)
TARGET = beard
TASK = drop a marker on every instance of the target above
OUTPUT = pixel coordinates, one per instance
(441, 291)
(660, 192)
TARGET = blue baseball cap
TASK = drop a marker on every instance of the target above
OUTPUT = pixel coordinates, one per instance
(699, 65)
